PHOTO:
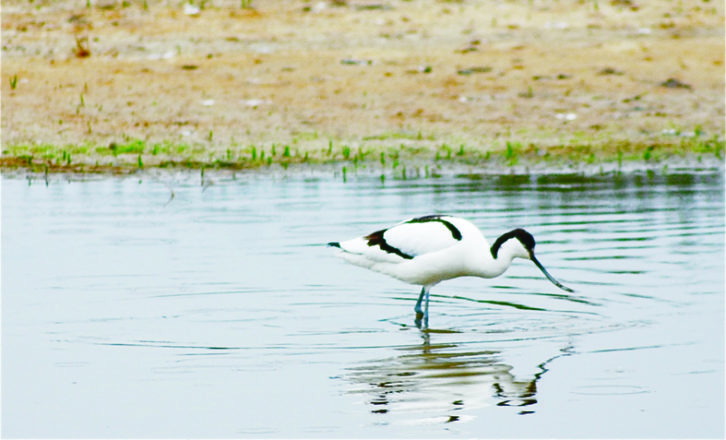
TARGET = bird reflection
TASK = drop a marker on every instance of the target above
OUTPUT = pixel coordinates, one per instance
(437, 381)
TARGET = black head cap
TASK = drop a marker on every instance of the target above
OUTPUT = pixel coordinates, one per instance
(523, 236)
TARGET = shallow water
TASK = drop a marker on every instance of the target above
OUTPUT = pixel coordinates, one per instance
(217, 312)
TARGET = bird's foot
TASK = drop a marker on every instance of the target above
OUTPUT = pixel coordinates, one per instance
(421, 321)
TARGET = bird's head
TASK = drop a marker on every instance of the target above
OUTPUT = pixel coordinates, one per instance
(516, 243)
(519, 243)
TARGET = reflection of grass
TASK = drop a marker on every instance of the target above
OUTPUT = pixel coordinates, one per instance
(131, 154)
(500, 303)
(511, 152)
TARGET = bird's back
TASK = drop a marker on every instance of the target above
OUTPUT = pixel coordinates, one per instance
(421, 250)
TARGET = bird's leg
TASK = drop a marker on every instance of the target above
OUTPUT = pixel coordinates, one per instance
(422, 313)
(426, 310)
(417, 309)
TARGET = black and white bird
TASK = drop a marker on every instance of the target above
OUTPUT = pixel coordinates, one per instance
(430, 249)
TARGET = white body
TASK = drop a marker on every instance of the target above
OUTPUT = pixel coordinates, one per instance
(434, 254)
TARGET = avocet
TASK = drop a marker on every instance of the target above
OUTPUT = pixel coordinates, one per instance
(427, 250)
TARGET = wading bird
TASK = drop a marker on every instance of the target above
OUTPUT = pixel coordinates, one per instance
(430, 249)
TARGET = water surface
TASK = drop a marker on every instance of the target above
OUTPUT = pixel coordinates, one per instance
(157, 306)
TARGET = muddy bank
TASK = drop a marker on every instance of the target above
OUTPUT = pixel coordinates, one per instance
(138, 84)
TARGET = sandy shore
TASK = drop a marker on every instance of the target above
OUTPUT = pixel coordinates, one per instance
(137, 84)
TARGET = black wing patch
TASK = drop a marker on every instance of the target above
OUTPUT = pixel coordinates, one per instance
(455, 233)
(376, 239)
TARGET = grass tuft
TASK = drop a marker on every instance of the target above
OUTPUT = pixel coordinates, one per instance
(132, 154)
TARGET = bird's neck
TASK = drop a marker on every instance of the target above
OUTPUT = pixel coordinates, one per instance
(489, 267)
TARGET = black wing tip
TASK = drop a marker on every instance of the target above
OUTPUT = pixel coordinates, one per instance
(334, 244)
(377, 239)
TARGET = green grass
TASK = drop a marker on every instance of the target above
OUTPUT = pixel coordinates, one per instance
(128, 155)
(512, 152)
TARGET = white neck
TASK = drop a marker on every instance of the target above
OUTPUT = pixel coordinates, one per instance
(489, 267)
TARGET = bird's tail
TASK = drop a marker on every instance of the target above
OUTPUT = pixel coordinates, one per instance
(334, 244)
